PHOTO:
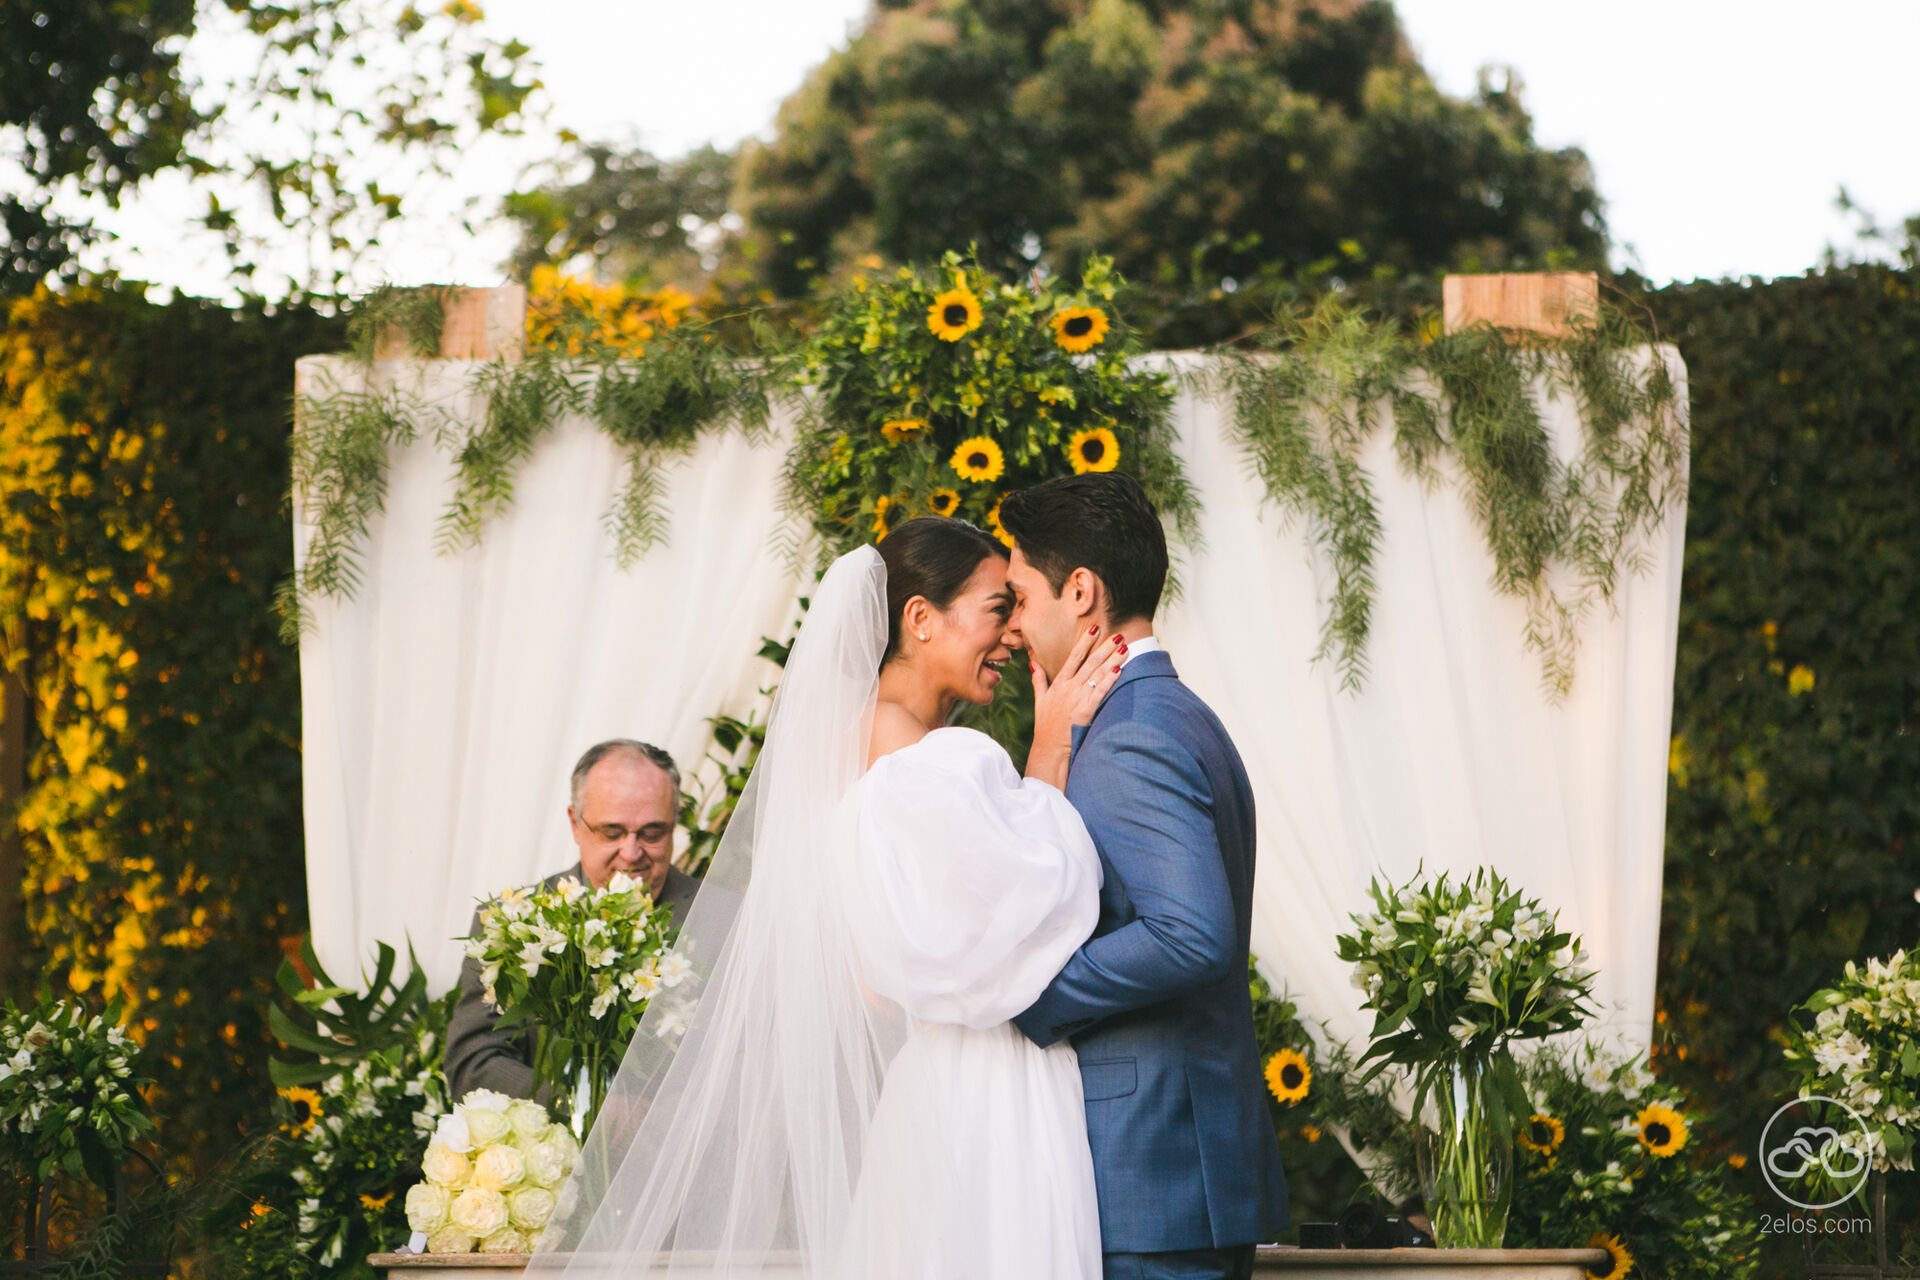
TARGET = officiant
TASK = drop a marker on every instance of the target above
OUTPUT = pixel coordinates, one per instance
(625, 804)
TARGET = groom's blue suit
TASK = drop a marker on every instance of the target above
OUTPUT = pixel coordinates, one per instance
(1157, 1002)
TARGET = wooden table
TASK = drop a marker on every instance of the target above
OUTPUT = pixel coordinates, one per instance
(1320, 1264)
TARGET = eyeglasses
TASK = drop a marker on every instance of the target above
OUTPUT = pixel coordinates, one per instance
(614, 833)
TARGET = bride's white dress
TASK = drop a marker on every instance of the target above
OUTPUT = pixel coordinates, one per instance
(966, 889)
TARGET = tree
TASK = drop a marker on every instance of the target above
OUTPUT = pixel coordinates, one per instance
(90, 92)
(1202, 144)
(639, 218)
(346, 113)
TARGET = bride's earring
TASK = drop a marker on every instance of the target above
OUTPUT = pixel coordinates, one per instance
(924, 636)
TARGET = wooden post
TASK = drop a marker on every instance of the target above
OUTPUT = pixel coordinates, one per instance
(481, 324)
(1547, 303)
(14, 704)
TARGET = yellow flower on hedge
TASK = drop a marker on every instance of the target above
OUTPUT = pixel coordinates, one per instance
(1079, 329)
(375, 1203)
(1800, 680)
(954, 314)
(306, 1108)
(944, 502)
(1095, 450)
(1543, 1133)
(1619, 1262)
(1288, 1076)
(978, 459)
(993, 523)
(1663, 1131)
(886, 514)
(901, 429)
(1310, 1132)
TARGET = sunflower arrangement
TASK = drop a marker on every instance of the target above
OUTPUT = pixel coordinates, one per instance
(1611, 1158)
(939, 390)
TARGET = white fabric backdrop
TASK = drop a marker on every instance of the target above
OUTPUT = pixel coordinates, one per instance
(445, 703)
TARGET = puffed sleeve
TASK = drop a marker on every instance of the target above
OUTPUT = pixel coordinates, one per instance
(968, 887)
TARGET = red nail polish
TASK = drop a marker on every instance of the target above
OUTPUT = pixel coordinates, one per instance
(1116, 669)
(1117, 639)
(1093, 630)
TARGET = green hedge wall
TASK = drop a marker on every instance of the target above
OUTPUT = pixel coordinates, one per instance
(143, 527)
(1794, 796)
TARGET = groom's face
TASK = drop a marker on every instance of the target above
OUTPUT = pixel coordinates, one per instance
(1045, 623)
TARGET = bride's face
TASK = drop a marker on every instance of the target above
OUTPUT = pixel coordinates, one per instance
(967, 641)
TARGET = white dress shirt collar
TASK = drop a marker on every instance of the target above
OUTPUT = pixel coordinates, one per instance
(1145, 644)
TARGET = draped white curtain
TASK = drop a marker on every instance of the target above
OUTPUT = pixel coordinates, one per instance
(445, 703)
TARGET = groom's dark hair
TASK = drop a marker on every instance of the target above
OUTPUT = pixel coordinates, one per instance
(1101, 522)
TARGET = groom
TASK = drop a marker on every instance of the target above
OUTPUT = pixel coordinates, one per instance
(1157, 1001)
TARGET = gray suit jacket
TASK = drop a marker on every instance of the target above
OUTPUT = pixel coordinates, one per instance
(479, 1054)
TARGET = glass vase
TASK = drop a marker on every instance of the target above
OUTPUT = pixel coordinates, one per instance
(1465, 1166)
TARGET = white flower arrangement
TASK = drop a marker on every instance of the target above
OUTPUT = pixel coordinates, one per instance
(1864, 1049)
(69, 1100)
(491, 1176)
(579, 965)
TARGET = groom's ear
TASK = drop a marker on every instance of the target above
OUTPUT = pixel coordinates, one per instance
(1084, 593)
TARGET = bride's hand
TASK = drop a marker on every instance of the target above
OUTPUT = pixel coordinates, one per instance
(1070, 699)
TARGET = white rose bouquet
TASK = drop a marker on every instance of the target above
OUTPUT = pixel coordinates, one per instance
(491, 1174)
(1455, 974)
(579, 964)
(1864, 1049)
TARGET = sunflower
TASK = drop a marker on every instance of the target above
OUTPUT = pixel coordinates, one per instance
(1094, 450)
(1619, 1261)
(886, 514)
(954, 314)
(978, 459)
(1288, 1076)
(1662, 1129)
(375, 1204)
(944, 502)
(1543, 1134)
(993, 523)
(1079, 329)
(306, 1108)
(901, 429)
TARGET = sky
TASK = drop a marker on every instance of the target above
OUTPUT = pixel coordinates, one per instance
(1720, 132)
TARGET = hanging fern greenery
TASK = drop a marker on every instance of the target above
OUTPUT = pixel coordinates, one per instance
(342, 442)
(651, 378)
(1466, 406)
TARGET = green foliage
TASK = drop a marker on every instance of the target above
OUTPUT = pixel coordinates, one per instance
(1793, 809)
(140, 534)
(1465, 410)
(338, 1027)
(1206, 147)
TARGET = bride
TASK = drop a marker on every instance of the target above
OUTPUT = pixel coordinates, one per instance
(837, 1092)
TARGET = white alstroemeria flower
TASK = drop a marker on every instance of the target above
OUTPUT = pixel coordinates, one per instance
(532, 956)
(641, 983)
(606, 989)
(1480, 988)
(674, 970)
(1428, 986)
(552, 940)
(673, 1022)
(596, 948)
(620, 882)
(1464, 1030)
(570, 890)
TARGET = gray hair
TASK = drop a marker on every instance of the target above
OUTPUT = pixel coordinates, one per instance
(623, 747)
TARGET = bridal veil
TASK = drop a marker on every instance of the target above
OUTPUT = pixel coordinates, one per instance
(730, 1141)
